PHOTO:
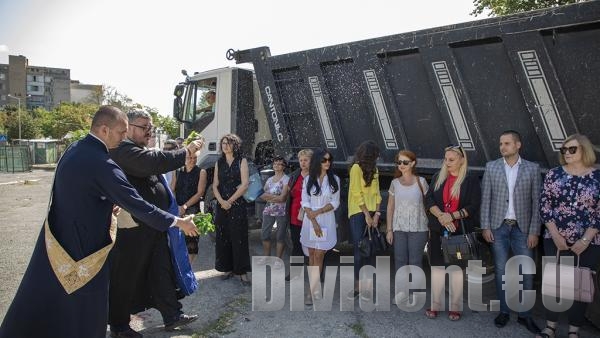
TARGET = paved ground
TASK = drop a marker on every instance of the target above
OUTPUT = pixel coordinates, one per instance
(225, 307)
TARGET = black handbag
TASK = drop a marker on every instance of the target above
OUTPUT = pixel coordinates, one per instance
(381, 244)
(459, 249)
(373, 242)
(365, 246)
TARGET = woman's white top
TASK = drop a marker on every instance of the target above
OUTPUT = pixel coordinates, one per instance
(325, 220)
(409, 212)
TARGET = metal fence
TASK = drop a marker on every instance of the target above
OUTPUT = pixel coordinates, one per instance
(15, 159)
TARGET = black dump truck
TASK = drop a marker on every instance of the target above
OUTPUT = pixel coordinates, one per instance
(534, 72)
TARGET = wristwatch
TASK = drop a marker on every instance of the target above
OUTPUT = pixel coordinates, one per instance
(184, 206)
(585, 240)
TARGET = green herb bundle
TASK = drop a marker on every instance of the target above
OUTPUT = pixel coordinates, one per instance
(193, 136)
(204, 223)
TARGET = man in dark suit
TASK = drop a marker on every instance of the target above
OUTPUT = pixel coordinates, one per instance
(509, 216)
(141, 270)
(65, 293)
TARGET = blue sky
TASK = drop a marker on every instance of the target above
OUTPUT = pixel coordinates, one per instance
(140, 47)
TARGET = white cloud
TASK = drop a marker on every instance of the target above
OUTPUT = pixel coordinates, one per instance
(3, 49)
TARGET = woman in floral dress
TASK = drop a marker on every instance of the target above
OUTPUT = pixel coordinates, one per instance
(570, 208)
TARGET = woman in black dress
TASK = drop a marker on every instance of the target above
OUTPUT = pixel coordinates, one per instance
(231, 222)
(189, 185)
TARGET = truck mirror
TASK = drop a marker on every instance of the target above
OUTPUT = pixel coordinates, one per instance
(178, 109)
(178, 92)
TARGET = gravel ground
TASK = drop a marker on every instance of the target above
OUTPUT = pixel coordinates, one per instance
(225, 307)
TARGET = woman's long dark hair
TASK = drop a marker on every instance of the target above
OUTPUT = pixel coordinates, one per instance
(366, 158)
(314, 171)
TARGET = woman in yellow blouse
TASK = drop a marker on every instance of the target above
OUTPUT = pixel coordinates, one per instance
(363, 206)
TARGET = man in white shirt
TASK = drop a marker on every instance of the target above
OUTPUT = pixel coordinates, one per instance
(509, 216)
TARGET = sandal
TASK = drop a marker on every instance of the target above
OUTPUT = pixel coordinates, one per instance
(547, 332)
(431, 314)
(454, 315)
(245, 281)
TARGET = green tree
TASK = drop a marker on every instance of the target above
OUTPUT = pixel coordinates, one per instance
(29, 127)
(168, 124)
(65, 118)
(76, 135)
(113, 97)
(505, 7)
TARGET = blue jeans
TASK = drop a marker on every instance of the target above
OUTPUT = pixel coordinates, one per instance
(357, 228)
(508, 237)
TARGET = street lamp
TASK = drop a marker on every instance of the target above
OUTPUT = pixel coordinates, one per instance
(18, 111)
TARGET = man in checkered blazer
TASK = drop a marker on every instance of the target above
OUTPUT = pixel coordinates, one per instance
(510, 218)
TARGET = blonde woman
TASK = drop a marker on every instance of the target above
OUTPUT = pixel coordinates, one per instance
(455, 196)
(406, 219)
(293, 206)
(570, 208)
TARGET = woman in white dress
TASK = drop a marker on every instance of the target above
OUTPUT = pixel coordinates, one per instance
(320, 198)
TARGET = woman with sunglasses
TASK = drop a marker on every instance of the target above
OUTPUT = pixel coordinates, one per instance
(406, 219)
(455, 197)
(320, 198)
(570, 208)
(364, 199)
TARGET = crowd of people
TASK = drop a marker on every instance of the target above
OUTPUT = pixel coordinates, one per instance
(112, 168)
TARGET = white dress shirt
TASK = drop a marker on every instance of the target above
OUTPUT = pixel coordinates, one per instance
(511, 178)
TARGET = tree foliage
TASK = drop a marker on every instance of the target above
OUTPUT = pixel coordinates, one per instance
(73, 119)
(65, 118)
(505, 7)
(9, 119)
(113, 97)
(169, 125)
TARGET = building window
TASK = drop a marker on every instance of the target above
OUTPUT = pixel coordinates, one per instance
(2, 76)
(1, 86)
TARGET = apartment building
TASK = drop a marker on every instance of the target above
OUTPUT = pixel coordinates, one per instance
(37, 86)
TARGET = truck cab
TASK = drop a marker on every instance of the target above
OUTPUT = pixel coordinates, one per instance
(219, 102)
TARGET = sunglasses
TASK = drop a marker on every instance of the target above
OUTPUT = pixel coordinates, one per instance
(326, 159)
(403, 162)
(455, 148)
(572, 150)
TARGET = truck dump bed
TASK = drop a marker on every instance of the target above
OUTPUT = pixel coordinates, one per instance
(535, 72)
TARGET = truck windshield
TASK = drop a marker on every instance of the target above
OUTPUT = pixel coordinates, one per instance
(201, 103)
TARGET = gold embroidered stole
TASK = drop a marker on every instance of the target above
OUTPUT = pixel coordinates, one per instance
(72, 274)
